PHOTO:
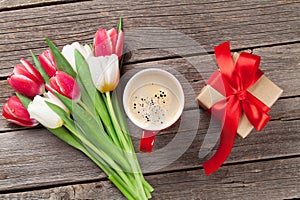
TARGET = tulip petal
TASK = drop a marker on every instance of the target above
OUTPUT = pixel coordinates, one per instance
(95, 66)
(68, 53)
(105, 72)
(25, 86)
(69, 50)
(20, 122)
(32, 71)
(40, 111)
(112, 72)
(16, 108)
(47, 61)
(21, 70)
(29, 123)
(15, 112)
(119, 45)
(113, 35)
(26, 80)
(53, 99)
(102, 43)
(88, 51)
(65, 85)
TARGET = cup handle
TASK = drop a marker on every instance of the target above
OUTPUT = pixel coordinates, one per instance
(147, 141)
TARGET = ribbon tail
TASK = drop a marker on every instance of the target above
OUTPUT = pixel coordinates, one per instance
(228, 133)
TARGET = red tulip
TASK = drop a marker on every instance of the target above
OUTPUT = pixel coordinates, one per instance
(48, 62)
(26, 80)
(65, 85)
(108, 42)
(15, 112)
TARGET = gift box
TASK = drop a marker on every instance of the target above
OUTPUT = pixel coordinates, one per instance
(240, 96)
(263, 89)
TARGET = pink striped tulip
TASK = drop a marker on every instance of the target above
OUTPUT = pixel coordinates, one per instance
(26, 80)
(108, 42)
(64, 84)
(15, 112)
(48, 62)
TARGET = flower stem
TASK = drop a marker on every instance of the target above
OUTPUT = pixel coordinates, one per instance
(90, 112)
(121, 188)
(103, 113)
(110, 131)
(115, 122)
(101, 154)
(126, 146)
(113, 176)
(123, 125)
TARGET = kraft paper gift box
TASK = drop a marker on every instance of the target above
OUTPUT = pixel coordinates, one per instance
(264, 90)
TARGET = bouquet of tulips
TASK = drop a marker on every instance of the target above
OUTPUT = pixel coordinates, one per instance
(70, 93)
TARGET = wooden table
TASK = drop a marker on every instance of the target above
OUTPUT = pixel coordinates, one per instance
(34, 164)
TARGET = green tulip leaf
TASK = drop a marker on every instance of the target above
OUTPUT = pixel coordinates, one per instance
(85, 121)
(25, 101)
(84, 77)
(89, 129)
(104, 161)
(119, 112)
(119, 26)
(65, 135)
(61, 62)
(87, 104)
(92, 47)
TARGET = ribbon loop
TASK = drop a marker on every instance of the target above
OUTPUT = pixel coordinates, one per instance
(247, 67)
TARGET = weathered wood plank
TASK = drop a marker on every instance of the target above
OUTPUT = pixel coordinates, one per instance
(284, 109)
(19, 152)
(278, 58)
(13, 4)
(274, 179)
(246, 24)
(256, 146)
(32, 158)
(35, 158)
(279, 63)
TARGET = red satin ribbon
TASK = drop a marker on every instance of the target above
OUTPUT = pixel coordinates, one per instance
(233, 81)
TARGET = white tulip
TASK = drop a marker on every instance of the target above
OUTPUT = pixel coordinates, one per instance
(105, 72)
(50, 97)
(40, 111)
(68, 52)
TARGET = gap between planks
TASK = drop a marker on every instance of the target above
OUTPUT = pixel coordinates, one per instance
(242, 178)
(25, 4)
(96, 180)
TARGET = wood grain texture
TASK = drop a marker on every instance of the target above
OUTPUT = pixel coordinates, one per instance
(176, 35)
(34, 158)
(279, 63)
(262, 180)
(17, 4)
(275, 179)
(246, 24)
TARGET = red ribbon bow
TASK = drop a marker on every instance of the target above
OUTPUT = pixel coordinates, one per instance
(233, 81)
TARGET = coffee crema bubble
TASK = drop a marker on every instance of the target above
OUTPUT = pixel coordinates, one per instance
(153, 105)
